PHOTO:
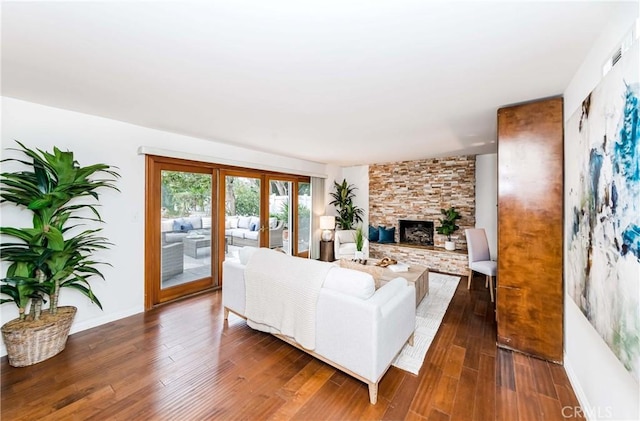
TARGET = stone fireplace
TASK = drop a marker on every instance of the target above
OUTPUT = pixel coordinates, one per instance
(419, 233)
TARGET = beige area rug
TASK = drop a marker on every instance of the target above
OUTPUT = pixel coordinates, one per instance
(429, 315)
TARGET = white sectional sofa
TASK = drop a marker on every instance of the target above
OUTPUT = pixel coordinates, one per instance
(358, 329)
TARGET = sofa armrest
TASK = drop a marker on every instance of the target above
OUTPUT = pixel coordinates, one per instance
(388, 291)
(233, 288)
(365, 335)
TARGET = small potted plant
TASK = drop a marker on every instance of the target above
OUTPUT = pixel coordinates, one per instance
(359, 240)
(55, 253)
(448, 226)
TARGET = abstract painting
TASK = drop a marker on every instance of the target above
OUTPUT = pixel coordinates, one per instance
(602, 228)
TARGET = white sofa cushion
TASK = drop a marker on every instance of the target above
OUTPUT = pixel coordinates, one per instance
(166, 225)
(237, 232)
(251, 235)
(245, 254)
(345, 236)
(347, 248)
(350, 282)
(195, 221)
(244, 221)
(233, 222)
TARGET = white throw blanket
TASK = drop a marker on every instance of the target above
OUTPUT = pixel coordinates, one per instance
(282, 293)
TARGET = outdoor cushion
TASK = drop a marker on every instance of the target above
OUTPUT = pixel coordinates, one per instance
(181, 225)
(251, 235)
(244, 221)
(195, 221)
(237, 232)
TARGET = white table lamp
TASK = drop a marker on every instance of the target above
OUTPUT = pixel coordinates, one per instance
(327, 224)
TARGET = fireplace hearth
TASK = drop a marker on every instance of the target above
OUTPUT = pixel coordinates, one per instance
(419, 233)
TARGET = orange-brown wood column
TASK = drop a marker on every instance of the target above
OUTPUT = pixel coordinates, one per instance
(530, 205)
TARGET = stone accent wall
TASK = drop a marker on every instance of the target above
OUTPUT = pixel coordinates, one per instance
(418, 189)
(438, 259)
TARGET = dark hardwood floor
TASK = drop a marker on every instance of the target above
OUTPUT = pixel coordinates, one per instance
(183, 362)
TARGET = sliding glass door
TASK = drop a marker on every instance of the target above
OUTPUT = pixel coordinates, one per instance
(200, 214)
(304, 218)
(243, 222)
(180, 233)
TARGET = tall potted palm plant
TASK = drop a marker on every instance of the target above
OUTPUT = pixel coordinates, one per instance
(54, 253)
(348, 213)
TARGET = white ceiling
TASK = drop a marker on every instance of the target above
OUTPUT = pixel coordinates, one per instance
(344, 82)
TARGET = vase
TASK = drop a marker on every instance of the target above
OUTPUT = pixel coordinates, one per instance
(359, 255)
(31, 341)
(450, 245)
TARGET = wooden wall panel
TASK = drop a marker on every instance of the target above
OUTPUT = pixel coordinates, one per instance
(530, 197)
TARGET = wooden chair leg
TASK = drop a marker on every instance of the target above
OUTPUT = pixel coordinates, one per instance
(470, 278)
(373, 393)
(490, 282)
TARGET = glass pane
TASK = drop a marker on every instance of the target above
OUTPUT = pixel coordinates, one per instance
(279, 217)
(304, 217)
(185, 227)
(242, 225)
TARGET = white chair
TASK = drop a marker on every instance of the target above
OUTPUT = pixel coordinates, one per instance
(480, 258)
(344, 244)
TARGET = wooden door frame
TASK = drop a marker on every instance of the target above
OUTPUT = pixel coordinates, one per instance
(153, 242)
(218, 171)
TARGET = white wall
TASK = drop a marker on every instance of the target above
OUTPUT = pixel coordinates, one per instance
(487, 198)
(93, 140)
(605, 389)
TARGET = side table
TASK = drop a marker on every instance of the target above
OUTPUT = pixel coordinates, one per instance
(326, 251)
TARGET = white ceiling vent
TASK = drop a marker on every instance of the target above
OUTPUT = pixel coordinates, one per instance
(624, 46)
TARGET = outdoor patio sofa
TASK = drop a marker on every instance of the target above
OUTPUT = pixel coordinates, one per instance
(245, 231)
(239, 230)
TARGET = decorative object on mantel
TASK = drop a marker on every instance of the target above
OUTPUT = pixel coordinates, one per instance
(359, 240)
(327, 225)
(448, 226)
(348, 213)
(49, 256)
(386, 261)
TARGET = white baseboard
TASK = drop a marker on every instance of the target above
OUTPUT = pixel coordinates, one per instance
(577, 388)
(88, 324)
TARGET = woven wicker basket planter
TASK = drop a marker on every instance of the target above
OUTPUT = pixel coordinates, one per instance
(29, 342)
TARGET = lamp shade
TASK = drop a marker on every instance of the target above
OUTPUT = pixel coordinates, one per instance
(327, 222)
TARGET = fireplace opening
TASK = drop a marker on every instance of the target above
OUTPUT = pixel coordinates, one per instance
(418, 233)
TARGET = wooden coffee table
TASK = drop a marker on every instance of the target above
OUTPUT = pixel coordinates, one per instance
(417, 275)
